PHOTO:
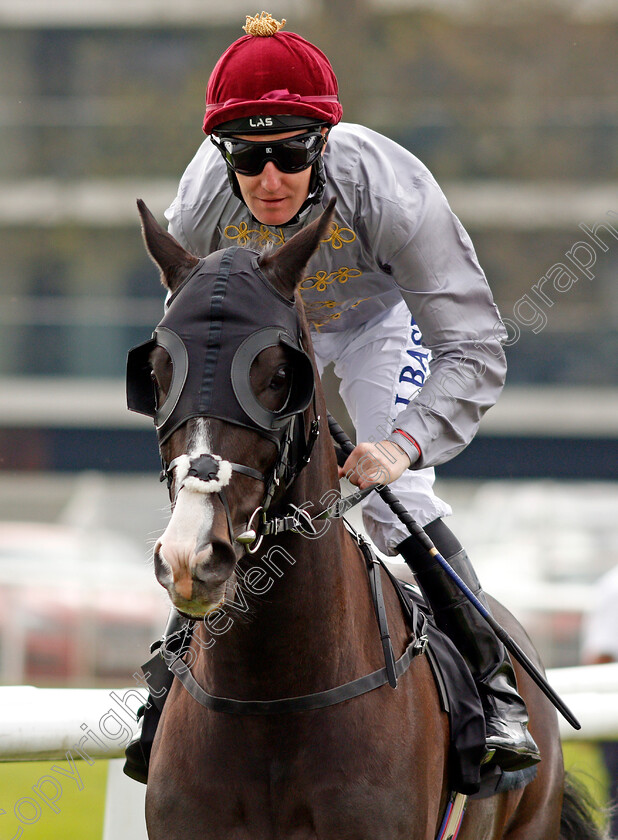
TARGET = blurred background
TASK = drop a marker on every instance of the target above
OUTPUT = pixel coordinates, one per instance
(513, 106)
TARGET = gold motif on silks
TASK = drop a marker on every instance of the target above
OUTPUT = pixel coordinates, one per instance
(319, 318)
(339, 236)
(321, 280)
(260, 238)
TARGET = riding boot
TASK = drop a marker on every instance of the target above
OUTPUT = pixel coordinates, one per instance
(506, 717)
(159, 679)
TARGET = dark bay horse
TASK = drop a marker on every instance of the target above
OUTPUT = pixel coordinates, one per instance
(292, 615)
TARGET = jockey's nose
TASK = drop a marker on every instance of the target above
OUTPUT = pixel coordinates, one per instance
(270, 177)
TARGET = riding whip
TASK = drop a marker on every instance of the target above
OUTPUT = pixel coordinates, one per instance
(415, 529)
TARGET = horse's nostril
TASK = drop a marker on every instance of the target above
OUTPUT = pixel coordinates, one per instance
(214, 564)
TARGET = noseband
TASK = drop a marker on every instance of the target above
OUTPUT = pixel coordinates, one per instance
(208, 473)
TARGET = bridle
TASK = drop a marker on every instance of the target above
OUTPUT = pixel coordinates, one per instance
(213, 331)
(393, 669)
(294, 453)
(206, 470)
(210, 298)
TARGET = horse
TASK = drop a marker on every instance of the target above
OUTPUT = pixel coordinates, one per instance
(280, 612)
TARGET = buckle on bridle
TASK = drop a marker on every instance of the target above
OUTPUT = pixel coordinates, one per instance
(302, 521)
(420, 645)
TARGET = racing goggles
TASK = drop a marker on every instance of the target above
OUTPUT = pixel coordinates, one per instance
(293, 154)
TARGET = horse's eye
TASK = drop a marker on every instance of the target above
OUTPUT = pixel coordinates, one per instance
(279, 379)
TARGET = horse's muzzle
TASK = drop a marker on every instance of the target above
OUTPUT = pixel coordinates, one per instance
(195, 583)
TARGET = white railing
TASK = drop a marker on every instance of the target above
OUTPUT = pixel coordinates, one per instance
(591, 693)
(90, 724)
(42, 723)
(77, 724)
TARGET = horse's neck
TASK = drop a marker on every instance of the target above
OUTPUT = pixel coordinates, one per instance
(297, 600)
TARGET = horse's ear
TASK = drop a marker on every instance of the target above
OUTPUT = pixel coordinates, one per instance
(173, 260)
(285, 267)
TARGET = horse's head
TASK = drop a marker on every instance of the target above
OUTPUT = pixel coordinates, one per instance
(228, 382)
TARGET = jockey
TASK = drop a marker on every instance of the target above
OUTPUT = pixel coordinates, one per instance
(395, 298)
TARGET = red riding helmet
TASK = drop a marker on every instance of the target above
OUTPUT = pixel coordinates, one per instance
(267, 73)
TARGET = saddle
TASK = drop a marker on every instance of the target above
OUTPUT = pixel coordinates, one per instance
(460, 700)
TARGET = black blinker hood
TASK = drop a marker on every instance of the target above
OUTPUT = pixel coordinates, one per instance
(220, 318)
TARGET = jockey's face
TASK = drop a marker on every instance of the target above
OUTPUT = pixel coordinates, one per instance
(274, 197)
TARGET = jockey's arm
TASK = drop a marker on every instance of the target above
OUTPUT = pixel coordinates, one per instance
(434, 264)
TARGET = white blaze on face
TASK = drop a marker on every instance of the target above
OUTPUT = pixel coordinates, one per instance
(188, 531)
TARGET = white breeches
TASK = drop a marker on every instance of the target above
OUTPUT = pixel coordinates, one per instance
(382, 366)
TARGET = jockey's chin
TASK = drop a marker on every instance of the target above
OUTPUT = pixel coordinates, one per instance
(275, 197)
